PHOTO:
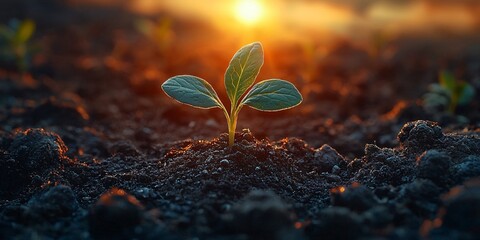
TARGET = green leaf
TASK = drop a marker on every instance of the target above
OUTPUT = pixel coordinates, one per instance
(447, 80)
(273, 95)
(192, 91)
(466, 95)
(436, 99)
(25, 31)
(243, 70)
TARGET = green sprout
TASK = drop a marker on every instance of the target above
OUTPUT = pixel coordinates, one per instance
(14, 42)
(268, 95)
(449, 93)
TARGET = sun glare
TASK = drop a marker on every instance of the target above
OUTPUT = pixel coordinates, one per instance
(248, 11)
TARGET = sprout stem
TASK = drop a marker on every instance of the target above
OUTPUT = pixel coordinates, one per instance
(232, 125)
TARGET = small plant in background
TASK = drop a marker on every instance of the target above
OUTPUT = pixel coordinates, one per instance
(160, 31)
(267, 95)
(449, 93)
(15, 43)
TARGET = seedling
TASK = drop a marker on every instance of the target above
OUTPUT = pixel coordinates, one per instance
(161, 31)
(268, 95)
(14, 42)
(449, 93)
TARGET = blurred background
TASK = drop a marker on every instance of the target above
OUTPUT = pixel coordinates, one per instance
(313, 21)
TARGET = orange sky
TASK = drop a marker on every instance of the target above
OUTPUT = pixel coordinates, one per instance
(344, 18)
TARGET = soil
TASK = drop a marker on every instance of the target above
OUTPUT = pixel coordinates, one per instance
(90, 147)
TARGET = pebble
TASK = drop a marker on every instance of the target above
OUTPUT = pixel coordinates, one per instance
(224, 162)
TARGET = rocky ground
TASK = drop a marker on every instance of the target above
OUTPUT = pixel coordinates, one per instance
(428, 187)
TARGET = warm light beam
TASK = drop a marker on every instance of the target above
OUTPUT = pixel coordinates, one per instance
(248, 11)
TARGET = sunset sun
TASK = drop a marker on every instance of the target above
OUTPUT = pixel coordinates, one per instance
(248, 11)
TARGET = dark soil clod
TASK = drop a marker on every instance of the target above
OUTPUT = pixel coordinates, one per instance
(30, 152)
(420, 135)
(435, 165)
(357, 198)
(260, 215)
(56, 202)
(462, 209)
(115, 214)
(326, 158)
(336, 223)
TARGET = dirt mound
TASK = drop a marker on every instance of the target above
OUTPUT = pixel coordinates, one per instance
(28, 156)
